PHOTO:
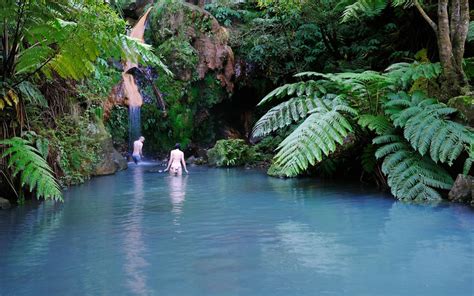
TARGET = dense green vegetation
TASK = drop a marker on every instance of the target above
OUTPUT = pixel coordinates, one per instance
(374, 89)
(55, 75)
(416, 138)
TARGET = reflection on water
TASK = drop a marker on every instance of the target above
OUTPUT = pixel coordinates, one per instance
(37, 232)
(134, 246)
(177, 190)
(233, 232)
(312, 249)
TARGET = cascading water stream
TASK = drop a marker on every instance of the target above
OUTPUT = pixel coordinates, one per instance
(134, 124)
(131, 91)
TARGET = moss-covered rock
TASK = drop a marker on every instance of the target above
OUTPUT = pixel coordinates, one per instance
(465, 105)
(184, 31)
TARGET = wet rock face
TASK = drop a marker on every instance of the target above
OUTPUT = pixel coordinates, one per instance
(111, 160)
(463, 189)
(208, 39)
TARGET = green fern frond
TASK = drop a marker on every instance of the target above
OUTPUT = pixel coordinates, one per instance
(283, 115)
(318, 136)
(470, 35)
(138, 52)
(31, 94)
(410, 175)
(34, 171)
(469, 161)
(404, 74)
(367, 8)
(308, 88)
(427, 128)
(377, 123)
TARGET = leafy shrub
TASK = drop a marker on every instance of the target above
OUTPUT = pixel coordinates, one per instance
(74, 145)
(233, 152)
(225, 13)
(117, 125)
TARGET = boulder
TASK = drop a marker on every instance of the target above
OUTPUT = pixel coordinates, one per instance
(107, 164)
(191, 160)
(4, 203)
(202, 153)
(463, 189)
(119, 160)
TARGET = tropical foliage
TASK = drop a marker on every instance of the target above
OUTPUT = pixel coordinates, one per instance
(233, 152)
(415, 135)
(46, 45)
(27, 162)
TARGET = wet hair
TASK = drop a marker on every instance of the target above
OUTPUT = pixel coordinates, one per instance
(177, 146)
(141, 138)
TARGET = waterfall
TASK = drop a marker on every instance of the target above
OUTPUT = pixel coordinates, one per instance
(131, 91)
(134, 125)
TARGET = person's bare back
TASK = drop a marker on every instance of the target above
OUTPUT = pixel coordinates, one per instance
(137, 154)
(176, 162)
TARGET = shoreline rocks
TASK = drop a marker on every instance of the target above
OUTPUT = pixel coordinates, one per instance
(463, 190)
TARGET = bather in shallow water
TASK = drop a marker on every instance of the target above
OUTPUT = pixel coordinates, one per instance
(176, 162)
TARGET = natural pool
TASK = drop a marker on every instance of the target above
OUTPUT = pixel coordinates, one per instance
(233, 232)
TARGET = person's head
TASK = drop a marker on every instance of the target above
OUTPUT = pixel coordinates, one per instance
(141, 139)
(177, 146)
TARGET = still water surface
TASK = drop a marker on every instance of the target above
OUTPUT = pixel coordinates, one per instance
(233, 232)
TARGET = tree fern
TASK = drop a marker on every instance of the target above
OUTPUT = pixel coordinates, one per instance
(370, 8)
(377, 123)
(138, 52)
(402, 75)
(31, 94)
(469, 161)
(427, 128)
(283, 115)
(34, 171)
(363, 8)
(67, 38)
(307, 88)
(318, 135)
(410, 175)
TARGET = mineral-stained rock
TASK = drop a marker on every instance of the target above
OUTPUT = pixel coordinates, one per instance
(4, 203)
(462, 189)
(116, 97)
(207, 37)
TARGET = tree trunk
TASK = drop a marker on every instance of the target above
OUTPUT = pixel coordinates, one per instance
(451, 32)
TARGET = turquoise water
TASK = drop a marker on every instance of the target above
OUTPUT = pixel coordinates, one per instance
(233, 232)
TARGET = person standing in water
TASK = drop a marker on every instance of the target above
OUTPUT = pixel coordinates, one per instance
(176, 162)
(137, 154)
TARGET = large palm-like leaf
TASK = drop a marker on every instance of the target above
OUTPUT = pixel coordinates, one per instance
(34, 171)
(427, 128)
(410, 175)
(318, 136)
